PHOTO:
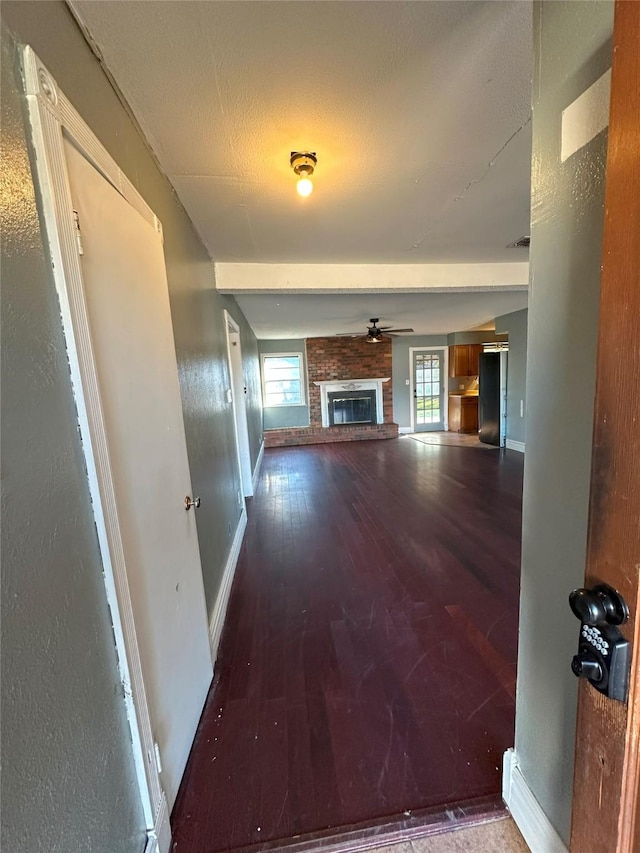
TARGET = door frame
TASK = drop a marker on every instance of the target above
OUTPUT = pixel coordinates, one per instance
(504, 390)
(240, 427)
(412, 383)
(51, 116)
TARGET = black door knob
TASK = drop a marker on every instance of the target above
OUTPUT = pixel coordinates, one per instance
(585, 665)
(599, 605)
(588, 606)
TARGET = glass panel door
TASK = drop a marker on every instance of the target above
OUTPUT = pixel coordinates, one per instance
(428, 390)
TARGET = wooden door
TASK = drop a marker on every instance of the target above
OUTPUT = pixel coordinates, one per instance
(132, 347)
(607, 768)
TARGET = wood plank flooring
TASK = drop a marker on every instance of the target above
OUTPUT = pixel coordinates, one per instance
(367, 665)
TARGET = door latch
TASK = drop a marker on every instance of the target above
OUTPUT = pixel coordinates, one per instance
(604, 656)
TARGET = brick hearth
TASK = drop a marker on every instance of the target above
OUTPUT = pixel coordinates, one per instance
(323, 435)
(341, 359)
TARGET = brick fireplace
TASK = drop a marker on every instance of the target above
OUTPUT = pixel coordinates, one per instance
(333, 364)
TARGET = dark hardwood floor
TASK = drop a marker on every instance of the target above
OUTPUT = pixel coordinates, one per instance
(367, 665)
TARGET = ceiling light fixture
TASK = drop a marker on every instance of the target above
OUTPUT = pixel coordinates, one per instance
(303, 164)
(374, 334)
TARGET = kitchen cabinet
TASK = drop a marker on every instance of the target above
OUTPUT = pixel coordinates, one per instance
(463, 413)
(464, 360)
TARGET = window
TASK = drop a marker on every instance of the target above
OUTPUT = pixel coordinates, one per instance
(282, 383)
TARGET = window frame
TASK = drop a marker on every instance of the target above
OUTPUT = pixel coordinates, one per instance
(303, 396)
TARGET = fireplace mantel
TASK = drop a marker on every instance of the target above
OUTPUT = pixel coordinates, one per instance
(337, 385)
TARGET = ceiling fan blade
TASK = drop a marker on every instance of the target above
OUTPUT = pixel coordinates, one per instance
(371, 331)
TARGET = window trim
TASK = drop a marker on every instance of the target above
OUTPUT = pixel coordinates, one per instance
(303, 395)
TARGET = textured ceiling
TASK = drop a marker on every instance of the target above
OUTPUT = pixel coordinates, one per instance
(418, 111)
(309, 316)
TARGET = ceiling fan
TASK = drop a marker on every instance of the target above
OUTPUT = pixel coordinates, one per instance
(375, 333)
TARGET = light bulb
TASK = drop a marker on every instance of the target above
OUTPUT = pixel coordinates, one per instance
(304, 187)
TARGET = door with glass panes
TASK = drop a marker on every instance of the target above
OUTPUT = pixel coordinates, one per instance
(428, 390)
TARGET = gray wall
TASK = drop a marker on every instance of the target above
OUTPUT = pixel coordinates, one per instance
(401, 372)
(68, 781)
(196, 307)
(572, 45)
(280, 417)
(516, 326)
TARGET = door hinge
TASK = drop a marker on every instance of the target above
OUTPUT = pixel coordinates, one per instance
(76, 220)
(156, 750)
(153, 758)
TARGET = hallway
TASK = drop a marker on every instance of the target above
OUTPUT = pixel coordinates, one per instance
(367, 667)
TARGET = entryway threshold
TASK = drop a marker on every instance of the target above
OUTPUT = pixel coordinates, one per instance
(417, 823)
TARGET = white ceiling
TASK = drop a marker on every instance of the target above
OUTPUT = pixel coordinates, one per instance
(418, 111)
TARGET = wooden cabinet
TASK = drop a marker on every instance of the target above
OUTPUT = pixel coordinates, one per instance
(463, 413)
(464, 360)
(475, 351)
(458, 361)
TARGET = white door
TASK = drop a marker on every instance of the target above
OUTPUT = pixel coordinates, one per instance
(238, 398)
(125, 289)
(428, 390)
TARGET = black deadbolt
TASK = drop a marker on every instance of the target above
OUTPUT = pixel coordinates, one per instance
(587, 666)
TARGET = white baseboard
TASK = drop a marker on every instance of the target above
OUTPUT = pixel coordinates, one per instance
(256, 470)
(527, 813)
(404, 430)
(159, 838)
(512, 444)
(220, 609)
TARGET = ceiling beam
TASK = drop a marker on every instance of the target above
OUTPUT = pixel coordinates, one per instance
(365, 278)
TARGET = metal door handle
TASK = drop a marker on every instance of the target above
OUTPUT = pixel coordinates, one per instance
(191, 502)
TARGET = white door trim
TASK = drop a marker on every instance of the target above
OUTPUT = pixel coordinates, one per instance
(256, 471)
(52, 116)
(412, 382)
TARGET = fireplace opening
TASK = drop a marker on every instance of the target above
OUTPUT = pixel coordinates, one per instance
(352, 407)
